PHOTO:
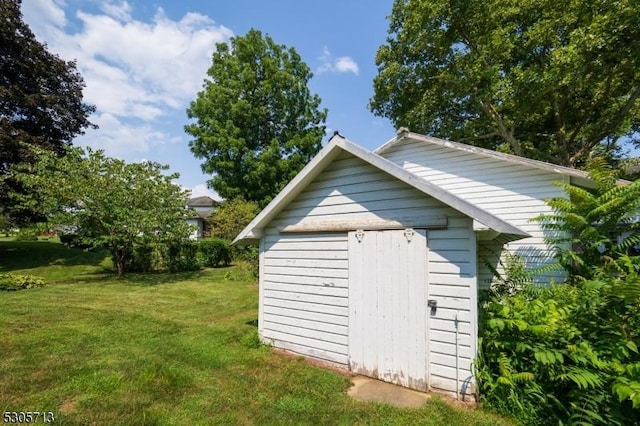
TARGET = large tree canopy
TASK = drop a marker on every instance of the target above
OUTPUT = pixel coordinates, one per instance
(543, 79)
(105, 201)
(257, 124)
(40, 96)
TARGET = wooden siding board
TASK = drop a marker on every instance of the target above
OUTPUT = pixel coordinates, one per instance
(309, 298)
(309, 272)
(309, 263)
(326, 341)
(319, 255)
(295, 279)
(375, 182)
(341, 199)
(305, 341)
(316, 327)
(295, 314)
(369, 207)
(309, 351)
(306, 306)
(319, 290)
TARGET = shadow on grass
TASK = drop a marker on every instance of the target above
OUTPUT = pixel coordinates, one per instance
(89, 266)
(16, 255)
(156, 278)
(148, 279)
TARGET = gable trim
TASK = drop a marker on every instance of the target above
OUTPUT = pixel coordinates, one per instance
(337, 144)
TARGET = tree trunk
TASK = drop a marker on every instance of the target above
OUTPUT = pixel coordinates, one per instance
(119, 256)
(120, 266)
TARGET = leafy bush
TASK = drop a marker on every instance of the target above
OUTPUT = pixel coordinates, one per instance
(26, 234)
(20, 282)
(75, 241)
(247, 258)
(214, 252)
(561, 354)
(594, 226)
(564, 353)
(181, 256)
(143, 258)
(231, 217)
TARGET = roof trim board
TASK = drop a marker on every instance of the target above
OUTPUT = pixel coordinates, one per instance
(581, 177)
(338, 144)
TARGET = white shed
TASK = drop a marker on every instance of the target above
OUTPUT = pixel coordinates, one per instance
(373, 260)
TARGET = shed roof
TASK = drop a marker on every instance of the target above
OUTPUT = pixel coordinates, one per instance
(578, 177)
(337, 145)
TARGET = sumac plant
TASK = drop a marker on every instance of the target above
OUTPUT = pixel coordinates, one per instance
(568, 353)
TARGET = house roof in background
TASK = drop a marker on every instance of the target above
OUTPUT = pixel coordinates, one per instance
(203, 201)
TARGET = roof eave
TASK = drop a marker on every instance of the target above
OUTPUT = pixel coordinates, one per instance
(579, 177)
(338, 144)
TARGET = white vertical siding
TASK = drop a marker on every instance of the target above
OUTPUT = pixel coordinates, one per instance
(304, 278)
(510, 191)
(387, 306)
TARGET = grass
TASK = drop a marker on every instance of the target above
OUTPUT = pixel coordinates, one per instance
(163, 349)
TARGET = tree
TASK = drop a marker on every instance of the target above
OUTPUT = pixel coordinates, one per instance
(105, 201)
(257, 124)
(231, 218)
(40, 97)
(547, 80)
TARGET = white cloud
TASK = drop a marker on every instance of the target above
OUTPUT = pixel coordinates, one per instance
(340, 64)
(44, 17)
(122, 139)
(202, 190)
(120, 11)
(134, 71)
(346, 64)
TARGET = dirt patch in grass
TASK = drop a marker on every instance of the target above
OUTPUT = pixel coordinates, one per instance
(68, 406)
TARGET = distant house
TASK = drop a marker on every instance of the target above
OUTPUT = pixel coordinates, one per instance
(202, 207)
(372, 261)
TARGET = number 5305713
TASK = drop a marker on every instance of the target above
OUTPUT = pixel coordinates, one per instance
(28, 416)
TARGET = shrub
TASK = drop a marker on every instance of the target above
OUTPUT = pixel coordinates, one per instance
(75, 241)
(26, 234)
(564, 353)
(181, 256)
(248, 259)
(591, 227)
(214, 252)
(231, 217)
(20, 282)
(142, 258)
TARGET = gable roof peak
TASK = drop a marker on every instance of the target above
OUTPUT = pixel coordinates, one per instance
(338, 144)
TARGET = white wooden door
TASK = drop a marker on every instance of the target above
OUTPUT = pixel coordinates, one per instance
(388, 306)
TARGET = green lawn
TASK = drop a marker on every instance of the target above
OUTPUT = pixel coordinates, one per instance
(161, 349)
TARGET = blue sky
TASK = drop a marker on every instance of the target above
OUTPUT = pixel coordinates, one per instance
(144, 61)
